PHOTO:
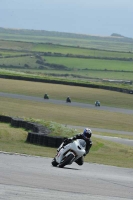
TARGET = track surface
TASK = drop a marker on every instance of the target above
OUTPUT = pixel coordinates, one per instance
(83, 105)
(27, 177)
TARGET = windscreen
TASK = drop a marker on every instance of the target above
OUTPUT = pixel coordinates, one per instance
(82, 143)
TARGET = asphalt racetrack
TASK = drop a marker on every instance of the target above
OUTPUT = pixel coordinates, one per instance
(31, 178)
(54, 101)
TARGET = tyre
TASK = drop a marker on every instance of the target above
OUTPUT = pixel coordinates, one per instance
(54, 163)
(66, 161)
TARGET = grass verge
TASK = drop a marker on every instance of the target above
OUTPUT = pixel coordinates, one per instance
(65, 114)
(102, 152)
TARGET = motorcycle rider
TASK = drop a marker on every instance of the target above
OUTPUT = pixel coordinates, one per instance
(86, 135)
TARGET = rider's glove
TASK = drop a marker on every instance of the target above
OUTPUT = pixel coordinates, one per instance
(66, 139)
(70, 140)
(74, 138)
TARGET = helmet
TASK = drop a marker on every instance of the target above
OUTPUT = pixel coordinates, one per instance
(87, 133)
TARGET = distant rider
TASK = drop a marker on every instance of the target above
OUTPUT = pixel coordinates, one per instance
(86, 135)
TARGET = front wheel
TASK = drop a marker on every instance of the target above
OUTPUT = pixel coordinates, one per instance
(66, 161)
(54, 163)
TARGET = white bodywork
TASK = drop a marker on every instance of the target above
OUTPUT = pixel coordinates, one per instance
(77, 148)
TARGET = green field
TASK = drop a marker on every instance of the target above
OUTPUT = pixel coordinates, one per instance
(86, 75)
(69, 39)
(54, 48)
(91, 64)
(66, 61)
(80, 51)
(71, 63)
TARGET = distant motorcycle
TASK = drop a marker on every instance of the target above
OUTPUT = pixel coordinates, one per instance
(68, 100)
(66, 155)
(97, 103)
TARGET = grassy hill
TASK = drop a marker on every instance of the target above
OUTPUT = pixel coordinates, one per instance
(80, 40)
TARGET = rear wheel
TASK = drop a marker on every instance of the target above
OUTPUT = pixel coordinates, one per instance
(54, 163)
(66, 161)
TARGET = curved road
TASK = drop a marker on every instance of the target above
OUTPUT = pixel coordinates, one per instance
(28, 177)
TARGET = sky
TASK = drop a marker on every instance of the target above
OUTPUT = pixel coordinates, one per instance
(92, 17)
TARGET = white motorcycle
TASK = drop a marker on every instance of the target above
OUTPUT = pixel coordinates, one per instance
(66, 155)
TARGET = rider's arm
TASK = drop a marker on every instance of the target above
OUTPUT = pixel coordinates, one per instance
(67, 140)
(88, 146)
(77, 137)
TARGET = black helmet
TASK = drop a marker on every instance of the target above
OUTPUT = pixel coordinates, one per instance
(87, 133)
